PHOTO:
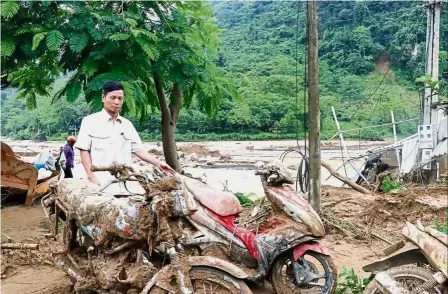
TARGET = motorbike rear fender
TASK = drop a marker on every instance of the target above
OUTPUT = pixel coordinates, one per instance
(195, 261)
(299, 250)
(407, 255)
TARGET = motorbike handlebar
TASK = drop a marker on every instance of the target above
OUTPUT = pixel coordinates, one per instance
(113, 167)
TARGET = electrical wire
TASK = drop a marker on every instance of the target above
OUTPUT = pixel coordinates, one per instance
(297, 76)
(368, 98)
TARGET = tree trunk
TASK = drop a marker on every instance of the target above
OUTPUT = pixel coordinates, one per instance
(170, 114)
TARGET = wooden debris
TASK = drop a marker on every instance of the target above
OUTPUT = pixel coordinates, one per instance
(344, 179)
(19, 246)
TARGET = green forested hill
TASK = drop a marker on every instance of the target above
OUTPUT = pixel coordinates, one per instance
(358, 41)
(370, 54)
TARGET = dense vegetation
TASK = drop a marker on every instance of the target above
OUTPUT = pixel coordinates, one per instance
(370, 54)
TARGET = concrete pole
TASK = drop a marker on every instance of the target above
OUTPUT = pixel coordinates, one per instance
(432, 68)
(432, 60)
(314, 108)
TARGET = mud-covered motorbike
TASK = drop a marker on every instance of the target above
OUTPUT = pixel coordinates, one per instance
(414, 266)
(133, 243)
(276, 239)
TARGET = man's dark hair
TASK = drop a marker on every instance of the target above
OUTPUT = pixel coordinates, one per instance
(110, 86)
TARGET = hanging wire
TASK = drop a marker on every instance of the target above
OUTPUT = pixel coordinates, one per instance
(297, 77)
(305, 86)
(302, 177)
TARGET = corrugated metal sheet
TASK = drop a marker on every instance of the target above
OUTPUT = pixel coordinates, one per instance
(442, 128)
(441, 149)
(409, 154)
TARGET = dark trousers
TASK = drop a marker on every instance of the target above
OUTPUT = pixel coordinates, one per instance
(68, 173)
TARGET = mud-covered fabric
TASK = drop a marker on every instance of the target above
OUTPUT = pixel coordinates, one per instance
(102, 215)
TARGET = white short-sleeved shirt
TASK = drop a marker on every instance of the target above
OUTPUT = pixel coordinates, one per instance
(108, 140)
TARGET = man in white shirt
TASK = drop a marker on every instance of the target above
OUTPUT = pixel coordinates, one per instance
(105, 137)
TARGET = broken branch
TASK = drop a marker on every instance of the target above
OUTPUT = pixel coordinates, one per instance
(344, 179)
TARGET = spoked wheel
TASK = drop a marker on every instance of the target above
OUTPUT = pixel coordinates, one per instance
(211, 281)
(317, 273)
(408, 276)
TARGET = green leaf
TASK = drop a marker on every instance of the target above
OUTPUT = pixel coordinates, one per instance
(131, 22)
(119, 37)
(29, 29)
(96, 15)
(150, 36)
(148, 48)
(54, 40)
(73, 90)
(78, 42)
(37, 39)
(8, 46)
(129, 101)
(96, 83)
(89, 67)
(9, 9)
(95, 103)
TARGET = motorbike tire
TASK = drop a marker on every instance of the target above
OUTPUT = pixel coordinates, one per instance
(280, 287)
(408, 273)
(203, 277)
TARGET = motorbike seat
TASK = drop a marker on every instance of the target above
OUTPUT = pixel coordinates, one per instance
(220, 202)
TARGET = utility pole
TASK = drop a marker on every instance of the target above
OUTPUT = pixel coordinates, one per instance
(313, 105)
(432, 58)
(430, 119)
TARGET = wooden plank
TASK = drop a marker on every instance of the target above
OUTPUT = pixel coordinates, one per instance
(14, 184)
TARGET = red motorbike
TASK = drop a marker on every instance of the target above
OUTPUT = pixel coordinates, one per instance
(276, 239)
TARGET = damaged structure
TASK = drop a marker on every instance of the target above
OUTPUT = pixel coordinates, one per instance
(421, 157)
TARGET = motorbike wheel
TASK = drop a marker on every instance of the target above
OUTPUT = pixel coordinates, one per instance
(408, 276)
(208, 281)
(284, 282)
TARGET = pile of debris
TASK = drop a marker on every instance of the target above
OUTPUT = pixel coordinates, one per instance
(381, 216)
(19, 255)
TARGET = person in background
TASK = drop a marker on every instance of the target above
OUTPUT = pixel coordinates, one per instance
(69, 156)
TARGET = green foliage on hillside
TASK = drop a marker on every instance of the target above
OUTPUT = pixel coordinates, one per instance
(370, 52)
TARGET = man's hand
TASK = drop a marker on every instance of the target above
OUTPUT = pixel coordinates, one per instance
(87, 162)
(145, 156)
(92, 178)
(166, 168)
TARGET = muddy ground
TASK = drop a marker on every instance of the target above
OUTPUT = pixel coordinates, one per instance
(355, 213)
(382, 214)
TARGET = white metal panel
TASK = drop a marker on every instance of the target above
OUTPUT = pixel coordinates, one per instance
(425, 136)
(442, 129)
(441, 149)
(426, 157)
(409, 154)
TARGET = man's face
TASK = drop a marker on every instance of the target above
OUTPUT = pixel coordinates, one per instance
(113, 101)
